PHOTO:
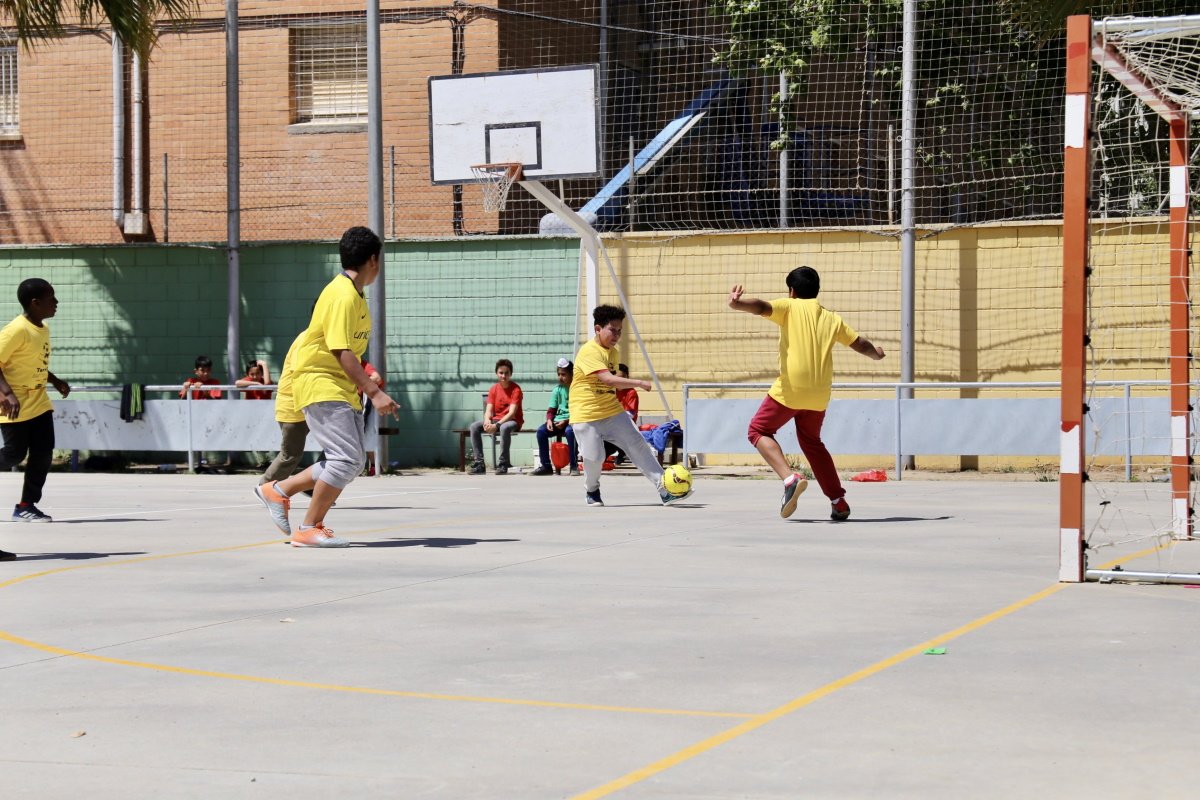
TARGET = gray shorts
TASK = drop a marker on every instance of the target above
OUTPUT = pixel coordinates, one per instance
(338, 428)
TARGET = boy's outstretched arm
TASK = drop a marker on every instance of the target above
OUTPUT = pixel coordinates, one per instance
(751, 305)
(866, 348)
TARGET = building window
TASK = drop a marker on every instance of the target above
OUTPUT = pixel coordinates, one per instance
(10, 101)
(329, 74)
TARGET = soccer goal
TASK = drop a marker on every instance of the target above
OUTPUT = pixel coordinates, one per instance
(1128, 376)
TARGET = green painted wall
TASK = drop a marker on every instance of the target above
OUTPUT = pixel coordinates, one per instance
(143, 313)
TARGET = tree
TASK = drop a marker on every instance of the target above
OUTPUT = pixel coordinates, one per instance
(132, 21)
(988, 82)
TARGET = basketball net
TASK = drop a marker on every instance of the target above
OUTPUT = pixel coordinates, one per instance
(496, 180)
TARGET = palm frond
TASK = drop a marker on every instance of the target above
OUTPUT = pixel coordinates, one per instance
(132, 21)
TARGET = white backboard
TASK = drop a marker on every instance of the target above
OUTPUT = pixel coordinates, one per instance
(544, 119)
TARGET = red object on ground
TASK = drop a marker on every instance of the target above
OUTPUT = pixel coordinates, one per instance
(560, 454)
(870, 476)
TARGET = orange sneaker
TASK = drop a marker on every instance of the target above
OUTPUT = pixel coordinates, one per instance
(278, 505)
(317, 536)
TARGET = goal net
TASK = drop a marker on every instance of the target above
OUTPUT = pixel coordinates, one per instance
(1129, 379)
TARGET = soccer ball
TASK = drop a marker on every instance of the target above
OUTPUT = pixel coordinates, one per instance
(677, 480)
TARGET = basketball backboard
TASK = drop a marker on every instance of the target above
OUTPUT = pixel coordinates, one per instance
(544, 119)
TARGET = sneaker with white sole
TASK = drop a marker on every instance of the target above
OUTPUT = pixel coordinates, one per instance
(277, 504)
(668, 498)
(791, 493)
(840, 511)
(593, 498)
(317, 536)
(29, 513)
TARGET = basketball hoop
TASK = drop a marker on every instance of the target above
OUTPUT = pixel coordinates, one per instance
(496, 180)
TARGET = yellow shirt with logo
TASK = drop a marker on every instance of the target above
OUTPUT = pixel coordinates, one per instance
(285, 404)
(807, 333)
(25, 360)
(590, 399)
(340, 321)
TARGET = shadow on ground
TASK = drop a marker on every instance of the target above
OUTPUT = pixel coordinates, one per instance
(428, 542)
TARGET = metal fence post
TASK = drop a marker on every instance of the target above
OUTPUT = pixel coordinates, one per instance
(899, 454)
(1128, 436)
(191, 460)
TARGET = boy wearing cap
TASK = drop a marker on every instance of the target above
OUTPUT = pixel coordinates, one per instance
(557, 423)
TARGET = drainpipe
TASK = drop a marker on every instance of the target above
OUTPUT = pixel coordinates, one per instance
(118, 123)
(135, 220)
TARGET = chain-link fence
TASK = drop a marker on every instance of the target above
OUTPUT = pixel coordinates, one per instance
(798, 106)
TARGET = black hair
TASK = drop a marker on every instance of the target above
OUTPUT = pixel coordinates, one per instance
(251, 365)
(805, 282)
(32, 289)
(357, 246)
(602, 315)
(504, 362)
(622, 368)
(203, 361)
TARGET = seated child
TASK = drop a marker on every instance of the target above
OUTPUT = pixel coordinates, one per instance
(203, 377)
(257, 374)
(501, 415)
(557, 424)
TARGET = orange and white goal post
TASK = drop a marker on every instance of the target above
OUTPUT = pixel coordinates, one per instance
(1128, 377)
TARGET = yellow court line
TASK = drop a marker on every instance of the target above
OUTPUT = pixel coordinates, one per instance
(712, 742)
(61, 651)
(233, 676)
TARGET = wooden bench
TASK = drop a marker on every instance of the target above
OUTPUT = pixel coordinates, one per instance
(465, 433)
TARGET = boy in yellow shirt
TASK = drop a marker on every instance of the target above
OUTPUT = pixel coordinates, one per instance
(327, 377)
(26, 415)
(807, 333)
(596, 414)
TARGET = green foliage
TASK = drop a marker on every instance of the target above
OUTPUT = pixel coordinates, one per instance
(133, 21)
(988, 82)
(781, 38)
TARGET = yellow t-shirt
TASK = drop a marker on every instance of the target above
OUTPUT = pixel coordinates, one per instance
(285, 404)
(25, 360)
(590, 399)
(807, 332)
(340, 321)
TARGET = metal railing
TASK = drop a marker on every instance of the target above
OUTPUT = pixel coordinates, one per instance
(897, 389)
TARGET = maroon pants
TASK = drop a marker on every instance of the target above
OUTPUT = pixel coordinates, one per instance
(773, 415)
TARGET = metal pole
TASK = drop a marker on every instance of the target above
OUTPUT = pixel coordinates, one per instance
(392, 182)
(632, 183)
(166, 198)
(233, 157)
(603, 99)
(784, 171)
(1120, 575)
(891, 174)
(1128, 435)
(899, 446)
(378, 300)
(908, 239)
(118, 88)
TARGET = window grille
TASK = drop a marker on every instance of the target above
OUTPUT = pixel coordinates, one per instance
(329, 73)
(10, 100)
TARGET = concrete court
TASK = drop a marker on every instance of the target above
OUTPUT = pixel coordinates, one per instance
(493, 637)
